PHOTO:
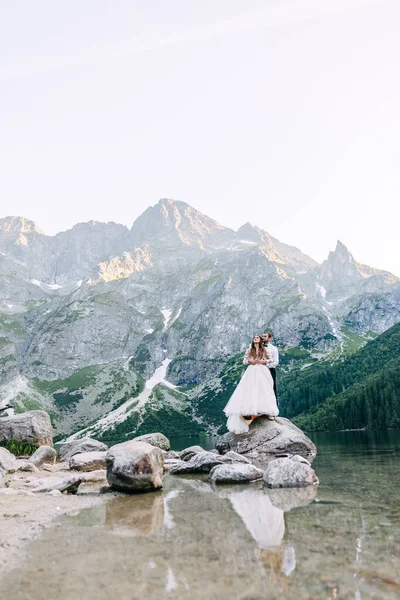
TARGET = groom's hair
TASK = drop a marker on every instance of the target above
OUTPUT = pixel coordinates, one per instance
(268, 334)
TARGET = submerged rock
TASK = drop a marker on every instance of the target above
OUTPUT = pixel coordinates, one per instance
(290, 472)
(268, 437)
(135, 467)
(154, 439)
(8, 462)
(235, 473)
(88, 461)
(32, 427)
(87, 444)
(44, 454)
(288, 498)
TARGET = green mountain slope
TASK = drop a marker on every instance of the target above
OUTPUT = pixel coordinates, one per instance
(361, 391)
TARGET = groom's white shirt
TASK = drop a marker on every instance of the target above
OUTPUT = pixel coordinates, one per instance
(273, 351)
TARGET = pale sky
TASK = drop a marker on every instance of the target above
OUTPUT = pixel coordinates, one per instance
(281, 113)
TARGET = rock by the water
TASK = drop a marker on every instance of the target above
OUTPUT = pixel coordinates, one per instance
(170, 463)
(44, 454)
(8, 462)
(87, 444)
(279, 436)
(235, 473)
(154, 439)
(288, 473)
(171, 454)
(203, 462)
(88, 461)
(188, 453)
(135, 467)
(32, 427)
(235, 457)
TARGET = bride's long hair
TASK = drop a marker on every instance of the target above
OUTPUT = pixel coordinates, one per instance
(253, 349)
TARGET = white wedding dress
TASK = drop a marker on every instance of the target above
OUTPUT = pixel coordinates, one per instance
(254, 395)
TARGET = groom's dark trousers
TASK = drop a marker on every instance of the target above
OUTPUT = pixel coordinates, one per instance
(273, 373)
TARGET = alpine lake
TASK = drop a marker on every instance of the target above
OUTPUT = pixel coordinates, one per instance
(193, 540)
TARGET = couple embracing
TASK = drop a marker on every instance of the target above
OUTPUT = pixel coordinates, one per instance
(255, 394)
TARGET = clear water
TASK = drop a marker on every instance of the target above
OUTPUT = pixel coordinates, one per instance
(338, 541)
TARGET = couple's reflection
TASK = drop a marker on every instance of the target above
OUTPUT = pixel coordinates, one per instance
(263, 513)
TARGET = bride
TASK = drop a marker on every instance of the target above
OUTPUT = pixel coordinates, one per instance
(254, 394)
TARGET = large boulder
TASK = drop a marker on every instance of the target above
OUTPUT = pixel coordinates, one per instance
(87, 444)
(32, 427)
(279, 436)
(289, 473)
(88, 461)
(8, 462)
(135, 467)
(154, 439)
(44, 454)
(235, 473)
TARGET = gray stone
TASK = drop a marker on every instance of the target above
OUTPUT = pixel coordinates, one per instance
(88, 461)
(170, 463)
(27, 467)
(235, 473)
(1, 478)
(32, 427)
(135, 467)
(69, 483)
(202, 462)
(268, 437)
(154, 439)
(188, 453)
(44, 454)
(287, 473)
(8, 462)
(69, 449)
(235, 457)
(172, 454)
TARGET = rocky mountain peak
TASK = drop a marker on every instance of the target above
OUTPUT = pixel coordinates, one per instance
(172, 222)
(249, 233)
(342, 252)
(18, 225)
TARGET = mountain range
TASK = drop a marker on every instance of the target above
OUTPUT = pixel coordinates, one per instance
(106, 326)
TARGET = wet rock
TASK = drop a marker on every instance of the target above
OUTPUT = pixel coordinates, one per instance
(154, 439)
(235, 473)
(88, 461)
(8, 462)
(44, 454)
(32, 427)
(287, 473)
(69, 449)
(188, 453)
(135, 467)
(268, 437)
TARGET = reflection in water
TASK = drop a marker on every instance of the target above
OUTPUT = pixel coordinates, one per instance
(135, 515)
(197, 541)
(262, 512)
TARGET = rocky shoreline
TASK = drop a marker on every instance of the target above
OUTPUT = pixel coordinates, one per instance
(35, 490)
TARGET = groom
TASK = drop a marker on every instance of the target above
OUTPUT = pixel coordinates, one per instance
(273, 351)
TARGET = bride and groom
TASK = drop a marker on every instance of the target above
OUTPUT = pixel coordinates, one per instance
(255, 394)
